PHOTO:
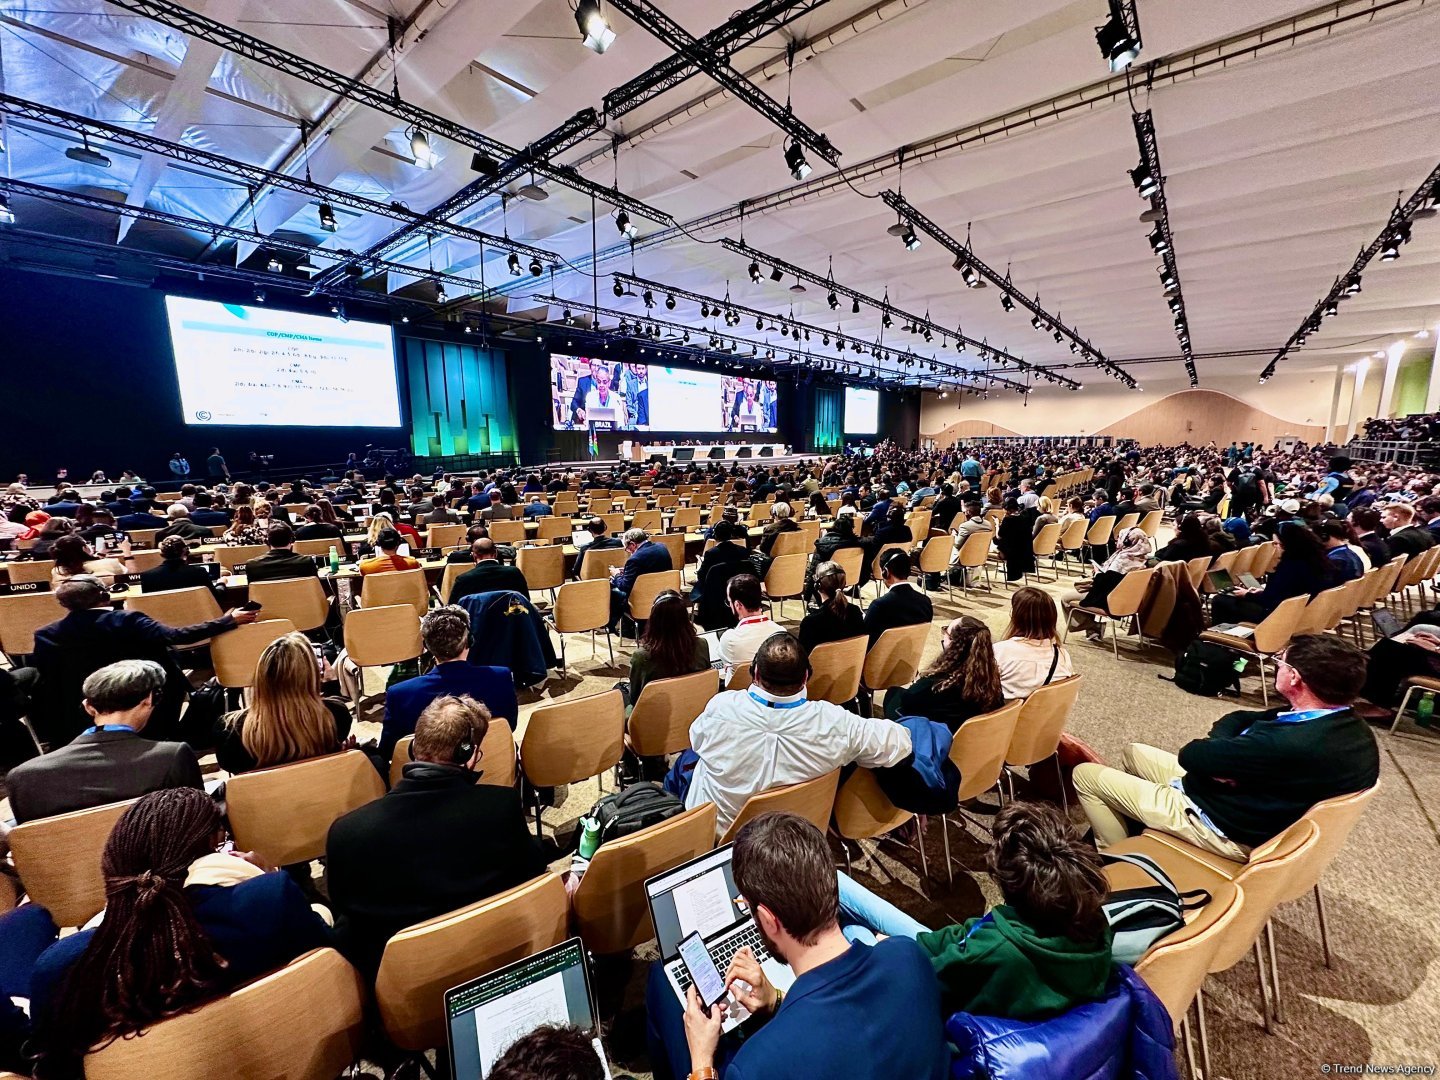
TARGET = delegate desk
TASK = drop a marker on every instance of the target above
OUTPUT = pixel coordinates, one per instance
(711, 451)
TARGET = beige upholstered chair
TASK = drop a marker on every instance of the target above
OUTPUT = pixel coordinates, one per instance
(58, 860)
(285, 812)
(811, 799)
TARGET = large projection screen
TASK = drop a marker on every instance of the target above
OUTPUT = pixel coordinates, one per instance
(862, 411)
(595, 394)
(255, 366)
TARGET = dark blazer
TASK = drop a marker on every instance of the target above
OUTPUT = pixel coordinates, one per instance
(210, 517)
(820, 627)
(185, 529)
(1376, 548)
(405, 701)
(648, 558)
(174, 574)
(903, 605)
(97, 768)
(491, 575)
(138, 521)
(319, 530)
(1411, 540)
(278, 564)
(436, 842)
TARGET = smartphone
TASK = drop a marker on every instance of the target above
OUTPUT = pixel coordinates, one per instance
(709, 983)
(250, 605)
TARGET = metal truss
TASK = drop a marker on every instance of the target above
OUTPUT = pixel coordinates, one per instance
(1150, 157)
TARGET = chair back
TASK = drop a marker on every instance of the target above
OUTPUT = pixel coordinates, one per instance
(285, 812)
(440, 536)
(759, 512)
(660, 722)
(236, 654)
(1175, 967)
(1041, 721)
(836, 666)
(1073, 537)
(863, 810)
(1129, 521)
(919, 522)
(21, 615)
(144, 560)
(975, 551)
(422, 961)
(614, 523)
(935, 555)
(230, 557)
(448, 576)
(609, 909)
(581, 606)
(1245, 560)
(786, 576)
(1129, 594)
(553, 527)
(894, 659)
(507, 532)
(675, 544)
(1150, 523)
(1196, 568)
(595, 565)
(811, 799)
(881, 555)
(1274, 632)
(979, 748)
(1335, 818)
(303, 1022)
(176, 607)
(382, 635)
(58, 860)
(685, 518)
(649, 586)
(1046, 540)
(852, 561)
(791, 543)
(573, 740)
(1265, 881)
(1320, 610)
(543, 567)
(497, 756)
(23, 573)
(739, 677)
(1100, 531)
(319, 547)
(300, 600)
(396, 587)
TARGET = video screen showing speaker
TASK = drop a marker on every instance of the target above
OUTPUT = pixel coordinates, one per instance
(256, 366)
(590, 393)
(862, 411)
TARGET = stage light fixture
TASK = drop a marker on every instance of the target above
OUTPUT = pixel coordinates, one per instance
(274, 265)
(1117, 45)
(625, 226)
(86, 156)
(1168, 281)
(617, 288)
(1331, 310)
(969, 275)
(595, 30)
(440, 294)
(1074, 348)
(798, 287)
(338, 310)
(1158, 243)
(421, 149)
(484, 164)
(1059, 337)
(7, 215)
(855, 307)
(1390, 249)
(404, 318)
(795, 159)
(327, 217)
(259, 295)
(760, 324)
(754, 271)
(670, 301)
(305, 266)
(776, 274)
(909, 239)
(513, 262)
(647, 298)
(1006, 303)
(1174, 304)
(1145, 184)
(1037, 322)
(886, 321)
(832, 300)
(1352, 285)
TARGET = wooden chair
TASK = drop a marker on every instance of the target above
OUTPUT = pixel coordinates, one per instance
(284, 812)
(649, 520)
(422, 961)
(300, 600)
(177, 607)
(660, 722)
(614, 523)
(140, 561)
(595, 565)
(785, 579)
(879, 560)
(935, 561)
(978, 750)
(581, 607)
(1196, 569)
(1072, 538)
(1150, 523)
(894, 659)
(448, 577)
(1123, 602)
(58, 860)
(646, 588)
(396, 587)
(543, 567)
(1038, 728)
(1271, 635)
(1099, 533)
(439, 536)
(811, 799)
(863, 811)
(145, 538)
(1045, 544)
(974, 554)
(554, 527)
(791, 543)
(497, 756)
(21, 615)
(739, 677)
(231, 557)
(236, 654)
(609, 910)
(1129, 521)
(321, 547)
(507, 532)
(1224, 561)
(382, 635)
(685, 518)
(23, 573)
(675, 543)
(852, 561)
(303, 1022)
(572, 740)
(835, 669)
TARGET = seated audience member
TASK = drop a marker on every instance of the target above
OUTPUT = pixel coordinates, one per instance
(280, 562)
(1191, 542)
(646, 557)
(1030, 654)
(668, 645)
(138, 519)
(1365, 521)
(770, 735)
(723, 553)
(893, 530)
(379, 524)
(463, 554)
(244, 530)
(1303, 570)
(1413, 649)
(438, 841)
(1074, 511)
(839, 536)
(1335, 538)
(1256, 773)
(445, 632)
(1132, 552)
(1044, 515)
(496, 509)
(287, 719)
(834, 618)
(537, 507)
(962, 682)
(388, 559)
(178, 516)
(109, 761)
(853, 1010)
(1015, 539)
(550, 1052)
(316, 527)
(781, 521)
(944, 509)
(183, 923)
(176, 571)
(738, 644)
(92, 635)
(488, 575)
(205, 513)
(1406, 536)
(729, 514)
(73, 557)
(1427, 511)
(901, 604)
(438, 514)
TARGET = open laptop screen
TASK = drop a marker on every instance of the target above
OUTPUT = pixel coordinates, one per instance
(486, 1015)
(698, 896)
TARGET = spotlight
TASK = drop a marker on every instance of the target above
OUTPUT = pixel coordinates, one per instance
(338, 310)
(898, 229)
(647, 298)
(969, 275)
(1352, 285)
(1037, 322)
(797, 287)
(626, 227)
(595, 31)
(420, 148)
(754, 271)
(259, 295)
(776, 274)
(1074, 348)
(795, 159)
(670, 301)
(909, 239)
(513, 262)
(855, 307)
(86, 156)
(1117, 45)
(759, 324)
(7, 216)
(1158, 243)
(1006, 303)
(1059, 337)
(533, 191)
(1390, 250)
(275, 266)
(327, 217)
(1175, 305)
(832, 300)
(704, 308)
(1145, 184)
(484, 164)
(440, 296)
(617, 288)
(886, 321)
(1331, 310)
(1168, 280)
(405, 318)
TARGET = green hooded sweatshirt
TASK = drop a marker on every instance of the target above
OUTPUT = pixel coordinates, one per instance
(999, 966)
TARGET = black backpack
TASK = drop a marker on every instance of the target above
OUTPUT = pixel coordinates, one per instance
(637, 807)
(1247, 482)
(1209, 670)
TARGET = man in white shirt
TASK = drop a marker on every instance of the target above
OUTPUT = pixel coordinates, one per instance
(1028, 497)
(770, 735)
(739, 643)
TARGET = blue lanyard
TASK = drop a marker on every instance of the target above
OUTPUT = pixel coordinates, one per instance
(1303, 715)
(776, 704)
(106, 727)
(978, 924)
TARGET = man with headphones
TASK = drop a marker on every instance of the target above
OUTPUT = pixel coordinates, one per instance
(442, 838)
(901, 604)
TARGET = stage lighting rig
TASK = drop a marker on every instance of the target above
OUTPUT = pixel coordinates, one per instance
(1144, 124)
(1119, 37)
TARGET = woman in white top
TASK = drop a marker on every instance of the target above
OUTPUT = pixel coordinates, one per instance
(74, 556)
(1030, 654)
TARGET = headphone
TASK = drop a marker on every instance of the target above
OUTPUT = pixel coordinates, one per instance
(465, 749)
(889, 561)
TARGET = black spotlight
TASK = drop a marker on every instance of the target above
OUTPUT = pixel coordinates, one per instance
(909, 239)
(1352, 285)
(1145, 184)
(484, 164)
(625, 226)
(535, 268)
(754, 271)
(1006, 303)
(595, 31)
(832, 300)
(1331, 310)
(855, 307)
(776, 274)
(513, 262)
(670, 301)
(1158, 243)
(1117, 45)
(617, 288)
(795, 159)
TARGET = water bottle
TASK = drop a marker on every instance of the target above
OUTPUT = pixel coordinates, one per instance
(334, 560)
(589, 837)
(1425, 709)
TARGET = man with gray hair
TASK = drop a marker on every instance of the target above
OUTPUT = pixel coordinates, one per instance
(109, 761)
(646, 557)
(178, 515)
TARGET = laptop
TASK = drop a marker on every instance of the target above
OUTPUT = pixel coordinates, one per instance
(485, 1015)
(700, 896)
(1220, 580)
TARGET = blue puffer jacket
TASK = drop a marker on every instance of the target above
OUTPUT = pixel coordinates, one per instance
(1126, 1035)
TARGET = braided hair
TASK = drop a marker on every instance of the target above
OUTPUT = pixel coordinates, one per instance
(149, 958)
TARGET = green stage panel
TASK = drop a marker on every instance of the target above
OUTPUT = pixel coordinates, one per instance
(829, 417)
(459, 399)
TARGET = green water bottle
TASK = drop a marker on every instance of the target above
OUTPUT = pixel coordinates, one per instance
(1425, 709)
(334, 560)
(589, 837)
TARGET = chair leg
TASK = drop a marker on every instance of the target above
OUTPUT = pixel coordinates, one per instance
(1264, 988)
(1204, 1038)
(1189, 1044)
(1060, 780)
(945, 837)
(1264, 684)
(920, 847)
(1274, 970)
(1404, 705)
(1324, 932)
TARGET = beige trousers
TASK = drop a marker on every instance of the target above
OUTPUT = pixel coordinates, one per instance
(1141, 792)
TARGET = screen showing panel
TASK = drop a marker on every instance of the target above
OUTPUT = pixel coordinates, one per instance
(258, 366)
(594, 394)
(862, 411)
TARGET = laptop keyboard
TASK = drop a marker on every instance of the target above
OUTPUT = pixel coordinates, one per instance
(722, 952)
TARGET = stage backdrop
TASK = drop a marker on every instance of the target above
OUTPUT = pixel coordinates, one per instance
(829, 418)
(459, 399)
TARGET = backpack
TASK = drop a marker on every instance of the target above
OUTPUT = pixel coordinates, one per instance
(1248, 482)
(1140, 917)
(637, 807)
(1209, 670)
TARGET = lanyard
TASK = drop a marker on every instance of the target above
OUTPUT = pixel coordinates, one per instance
(106, 727)
(1303, 715)
(978, 924)
(751, 619)
(776, 704)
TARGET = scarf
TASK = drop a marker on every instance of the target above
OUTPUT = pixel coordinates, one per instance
(1130, 553)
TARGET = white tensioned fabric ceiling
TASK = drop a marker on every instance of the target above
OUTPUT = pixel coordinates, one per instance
(1285, 132)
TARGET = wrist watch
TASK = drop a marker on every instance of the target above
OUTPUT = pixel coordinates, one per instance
(706, 1073)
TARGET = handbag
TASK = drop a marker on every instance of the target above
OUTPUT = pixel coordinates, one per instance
(1140, 917)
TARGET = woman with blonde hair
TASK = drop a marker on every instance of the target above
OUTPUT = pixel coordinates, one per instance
(962, 682)
(378, 524)
(287, 719)
(1030, 654)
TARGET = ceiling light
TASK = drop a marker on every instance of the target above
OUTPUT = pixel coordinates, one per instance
(305, 266)
(1117, 45)
(855, 307)
(275, 266)
(327, 217)
(1352, 285)
(617, 288)
(404, 318)
(1331, 310)
(259, 295)
(1175, 304)
(670, 301)
(776, 274)
(647, 298)
(1006, 303)
(440, 294)
(832, 300)
(484, 164)
(7, 216)
(1145, 184)
(595, 31)
(339, 311)
(87, 156)
(1059, 337)
(754, 271)
(1074, 348)
(797, 287)
(795, 159)
(1390, 249)
(909, 239)
(704, 308)
(1037, 322)
(1151, 214)
(886, 321)
(626, 227)
(513, 262)
(1158, 243)
(421, 150)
